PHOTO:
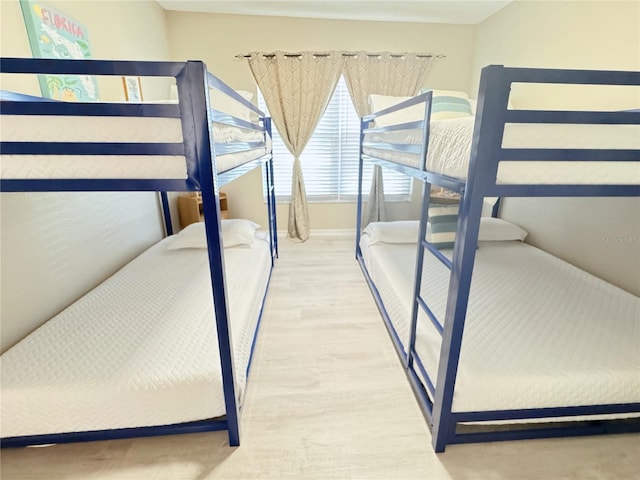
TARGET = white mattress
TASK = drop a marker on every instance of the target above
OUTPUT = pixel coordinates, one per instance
(230, 134)
(231, 160)
(450, 150)
(539, 332)
(141, 349)
(33, 128)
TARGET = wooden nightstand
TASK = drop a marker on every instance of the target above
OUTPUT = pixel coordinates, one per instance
(190, 208)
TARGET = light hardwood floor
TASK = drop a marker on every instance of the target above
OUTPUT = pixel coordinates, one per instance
(327, 399)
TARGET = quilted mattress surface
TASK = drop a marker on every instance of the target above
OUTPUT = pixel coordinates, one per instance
(450, 151)
(539, 332)
(140, 349)
(43, 128)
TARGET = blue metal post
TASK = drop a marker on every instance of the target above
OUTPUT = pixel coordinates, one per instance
(271, 196)
(495, 211)
(424, 219)
(194, 76)
(166, 214)
(482, 173)
(417, 283)
(363, 126)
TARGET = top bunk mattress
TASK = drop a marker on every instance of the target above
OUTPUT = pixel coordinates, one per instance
(450, 140)
(108, 129)
(138, 350)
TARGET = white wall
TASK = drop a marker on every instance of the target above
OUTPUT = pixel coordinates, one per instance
(602, 35)
(600, 235)
(217, 39)
(57, 246)
(42, 234)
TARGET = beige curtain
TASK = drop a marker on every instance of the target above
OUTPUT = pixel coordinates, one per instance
(297, 88)
(385, 74)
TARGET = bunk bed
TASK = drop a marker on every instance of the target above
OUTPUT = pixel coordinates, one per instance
(164, 346)
(500, 340)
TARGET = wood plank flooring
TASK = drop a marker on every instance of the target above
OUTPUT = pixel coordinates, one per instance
(327, 399)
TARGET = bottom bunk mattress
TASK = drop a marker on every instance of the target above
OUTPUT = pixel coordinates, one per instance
(539, 332)
(140, 349)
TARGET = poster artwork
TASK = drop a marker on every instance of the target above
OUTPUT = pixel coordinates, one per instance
(52, 34)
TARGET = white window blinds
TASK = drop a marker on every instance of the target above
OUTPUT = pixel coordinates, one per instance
(330, 159)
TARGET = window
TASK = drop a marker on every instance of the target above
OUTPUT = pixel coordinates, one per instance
(330, 159)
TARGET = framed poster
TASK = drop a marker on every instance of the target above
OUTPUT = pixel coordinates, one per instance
(132, 89)
(52, 34)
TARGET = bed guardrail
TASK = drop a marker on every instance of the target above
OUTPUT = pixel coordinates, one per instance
(494, 117)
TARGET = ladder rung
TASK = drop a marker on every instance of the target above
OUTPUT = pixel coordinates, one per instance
(430, 314)
(425, 375)
(438, 254)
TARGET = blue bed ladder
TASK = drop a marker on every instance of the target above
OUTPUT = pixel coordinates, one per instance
(413, 360)
(418, 301)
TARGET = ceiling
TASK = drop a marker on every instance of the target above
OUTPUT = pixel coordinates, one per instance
(422, 11)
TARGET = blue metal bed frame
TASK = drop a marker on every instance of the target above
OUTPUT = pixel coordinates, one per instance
(486, 153)
(198, 147)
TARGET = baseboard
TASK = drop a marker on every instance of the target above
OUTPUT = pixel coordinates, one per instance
(334, 232)
(328, 232)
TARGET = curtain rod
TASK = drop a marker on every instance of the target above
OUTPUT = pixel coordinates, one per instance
(346, 54)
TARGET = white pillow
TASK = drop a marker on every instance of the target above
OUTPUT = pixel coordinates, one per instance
(403, 231)
(491, 230)
(234, 232)
(380, 102)
(238, 231)
(449, 104)
(224, 103)
(499, 230)
(444, 104)
(473, 103)
(192, 236)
